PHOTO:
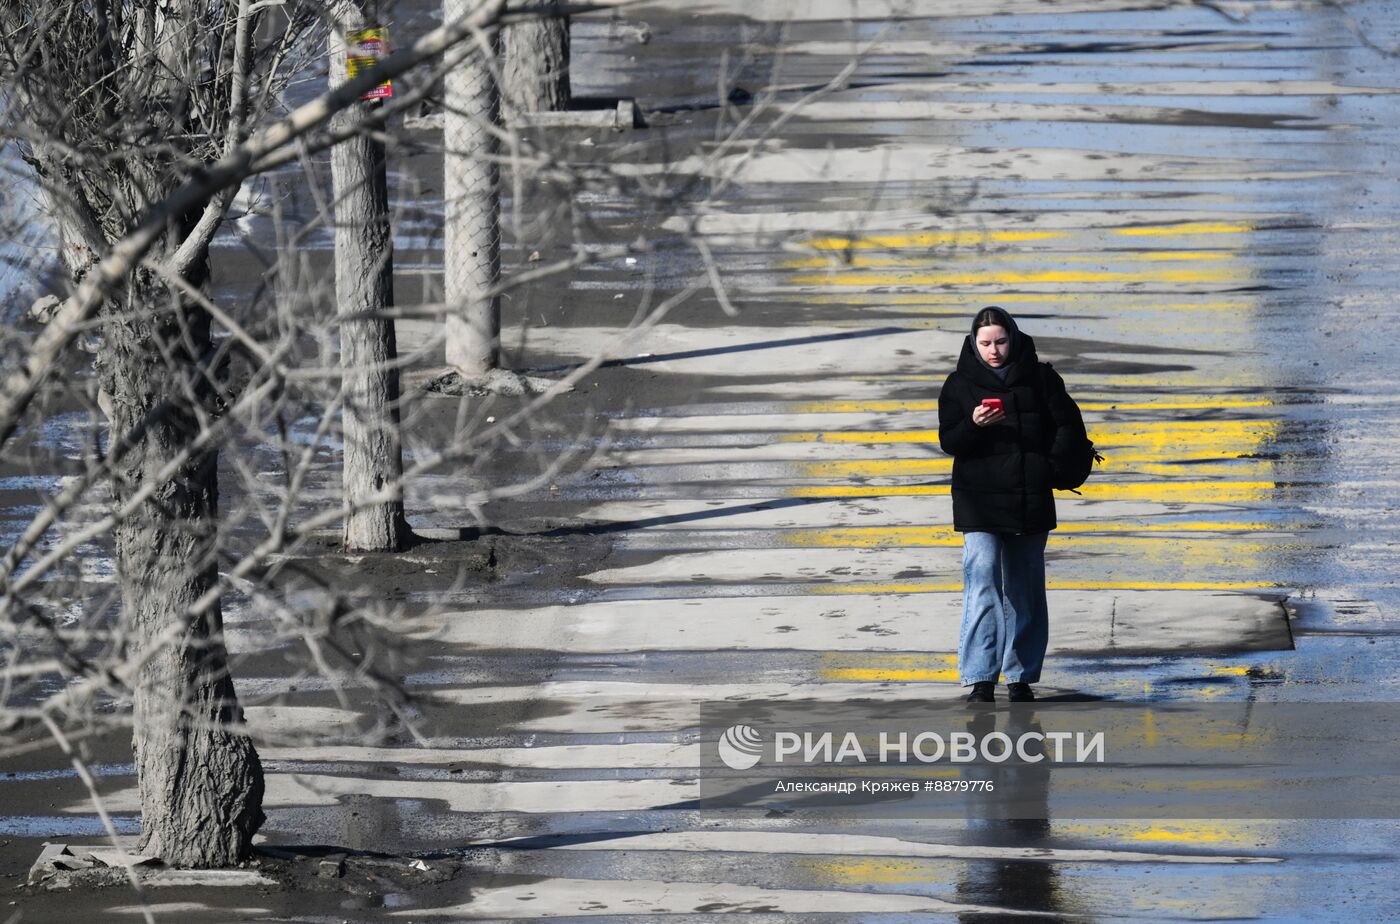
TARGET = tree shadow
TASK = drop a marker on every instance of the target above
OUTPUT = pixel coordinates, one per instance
(472, 533)
(738, 348)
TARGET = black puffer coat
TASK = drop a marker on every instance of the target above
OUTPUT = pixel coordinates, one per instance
(1001, 473)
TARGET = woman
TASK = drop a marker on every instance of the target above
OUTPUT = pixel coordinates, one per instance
(998, 414)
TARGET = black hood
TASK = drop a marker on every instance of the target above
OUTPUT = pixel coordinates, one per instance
(1013, 334)
(1022, 362)
(1014, 329)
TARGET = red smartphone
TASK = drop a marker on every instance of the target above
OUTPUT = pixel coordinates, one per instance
(992, 403)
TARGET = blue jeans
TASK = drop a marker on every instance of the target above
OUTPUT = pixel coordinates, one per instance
(1005, 620)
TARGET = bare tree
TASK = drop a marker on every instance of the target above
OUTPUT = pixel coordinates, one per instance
(140, 121)
(472, 207)
(135, 119)
(535, 61)
(120, 107)
(364, 288)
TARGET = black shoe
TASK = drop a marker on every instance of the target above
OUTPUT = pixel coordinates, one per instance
(1018, 692)
(983, 691)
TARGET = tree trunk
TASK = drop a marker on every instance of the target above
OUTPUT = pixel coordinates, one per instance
(535, 63)
(364, 288)
(472, 208)
(200, 779)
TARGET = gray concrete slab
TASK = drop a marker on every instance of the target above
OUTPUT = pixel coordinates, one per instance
(1084, 622)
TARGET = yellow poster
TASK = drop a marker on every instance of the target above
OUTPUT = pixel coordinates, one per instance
(366, 47)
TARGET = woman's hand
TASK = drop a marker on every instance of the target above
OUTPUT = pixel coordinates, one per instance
(986, 416)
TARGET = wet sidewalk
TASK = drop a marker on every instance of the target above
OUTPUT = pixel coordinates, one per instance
(1196, 220)
(1166, 201)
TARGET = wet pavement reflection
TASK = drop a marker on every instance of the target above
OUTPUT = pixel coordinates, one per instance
(1195, 213)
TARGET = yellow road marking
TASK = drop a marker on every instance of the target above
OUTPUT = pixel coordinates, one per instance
(1165, 438)
(1187, 834)
(930, 239)
(1204, 404)
(1200, 463)
(1184, 832)
(1108, 257)
(1162, 439)
(875, 536)
(1190, 227)
(1087, 301)
(1184, 467)
(895, 241)
(881, 667)
(1083, 302)
(1201, 492)
(851, 872)
(1059, 277)
(893, 675)
(943, 587)
(931, 404)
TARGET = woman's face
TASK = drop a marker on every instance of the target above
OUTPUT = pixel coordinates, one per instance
(993, 345)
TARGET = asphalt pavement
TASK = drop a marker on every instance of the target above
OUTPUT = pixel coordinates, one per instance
(1193, 211)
